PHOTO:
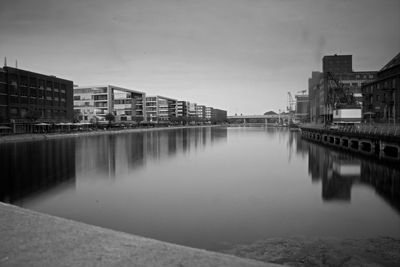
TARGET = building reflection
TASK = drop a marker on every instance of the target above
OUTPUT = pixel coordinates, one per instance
(110, 156)
(29, 168)
(339, 171)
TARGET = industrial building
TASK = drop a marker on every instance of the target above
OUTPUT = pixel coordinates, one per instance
(302, 108)
(337, 72)
(26, 97)
(381, 97)
(93, 103)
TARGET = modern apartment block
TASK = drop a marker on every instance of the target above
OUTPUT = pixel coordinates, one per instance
(182, 108)
(208, 113)
(381, 97)
(160, 108)
(201, 111)
(192, 110)
(26, 96)
(94, 102)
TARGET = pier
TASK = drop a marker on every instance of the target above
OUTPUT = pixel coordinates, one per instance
(383, 142)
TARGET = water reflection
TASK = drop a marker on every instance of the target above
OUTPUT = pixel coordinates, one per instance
(111, 156)
(34, 167)
(340, 171)
(204, 187)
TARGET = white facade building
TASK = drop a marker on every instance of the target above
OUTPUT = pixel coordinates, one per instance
(94, 102)
(160, 108)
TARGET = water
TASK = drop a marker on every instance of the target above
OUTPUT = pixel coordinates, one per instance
(205, 187)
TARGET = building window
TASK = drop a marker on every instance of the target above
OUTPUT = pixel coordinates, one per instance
(77, 97)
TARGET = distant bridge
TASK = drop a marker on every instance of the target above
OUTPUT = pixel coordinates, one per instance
(270, 118)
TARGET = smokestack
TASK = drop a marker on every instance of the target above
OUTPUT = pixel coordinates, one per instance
(16, 64)
(5, 61)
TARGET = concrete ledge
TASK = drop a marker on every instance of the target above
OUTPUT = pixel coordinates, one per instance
(30, 238)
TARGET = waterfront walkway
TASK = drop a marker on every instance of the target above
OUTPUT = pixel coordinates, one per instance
(30, 238)
(46, 136)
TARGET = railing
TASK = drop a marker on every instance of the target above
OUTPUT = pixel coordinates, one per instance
(388, 130)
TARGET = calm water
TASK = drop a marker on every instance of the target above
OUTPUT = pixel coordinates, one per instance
(206, 187)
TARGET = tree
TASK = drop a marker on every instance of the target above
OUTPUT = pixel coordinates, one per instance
(109, 117)
(77, 115)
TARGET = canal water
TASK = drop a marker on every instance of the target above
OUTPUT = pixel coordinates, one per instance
(211, 187)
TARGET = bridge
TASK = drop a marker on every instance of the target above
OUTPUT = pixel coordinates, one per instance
(269, 118)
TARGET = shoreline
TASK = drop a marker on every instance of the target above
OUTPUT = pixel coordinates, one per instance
(40, 137)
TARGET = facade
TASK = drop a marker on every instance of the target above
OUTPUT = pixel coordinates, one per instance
(352, 82)
(302, 108)
(182, 108)
(192, 110)
(208, 111)
(92, 103)
(218, 115)
(337, 64)
(313, 93)
(160, 108)
(339, 67)
(381, 97)
(27, 96)
(201, 111)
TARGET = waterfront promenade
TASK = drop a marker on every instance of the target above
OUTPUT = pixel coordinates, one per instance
(47, 136)
(34, 239)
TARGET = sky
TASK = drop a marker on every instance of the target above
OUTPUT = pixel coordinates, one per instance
(243, 56)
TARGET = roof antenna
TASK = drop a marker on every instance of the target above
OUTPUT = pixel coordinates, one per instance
(5, 61)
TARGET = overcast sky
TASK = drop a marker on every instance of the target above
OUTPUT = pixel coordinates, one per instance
(242, 56)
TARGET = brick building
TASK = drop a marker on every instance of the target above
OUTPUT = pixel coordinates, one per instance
(27, 96)
(381, 97)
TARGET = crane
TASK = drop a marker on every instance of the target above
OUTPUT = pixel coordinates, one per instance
(340, 101)
(338, 96)
(291, 102)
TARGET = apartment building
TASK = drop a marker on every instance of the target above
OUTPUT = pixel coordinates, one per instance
(192, 110)
(160, 108)
(208, 113)
(92, 103)
(201, 111)
(182, 108)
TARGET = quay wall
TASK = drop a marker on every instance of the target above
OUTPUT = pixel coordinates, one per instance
(377, 145)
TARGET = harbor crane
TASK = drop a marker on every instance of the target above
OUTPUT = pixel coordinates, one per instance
(341, 101)
(291, 103)
(338, 96)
